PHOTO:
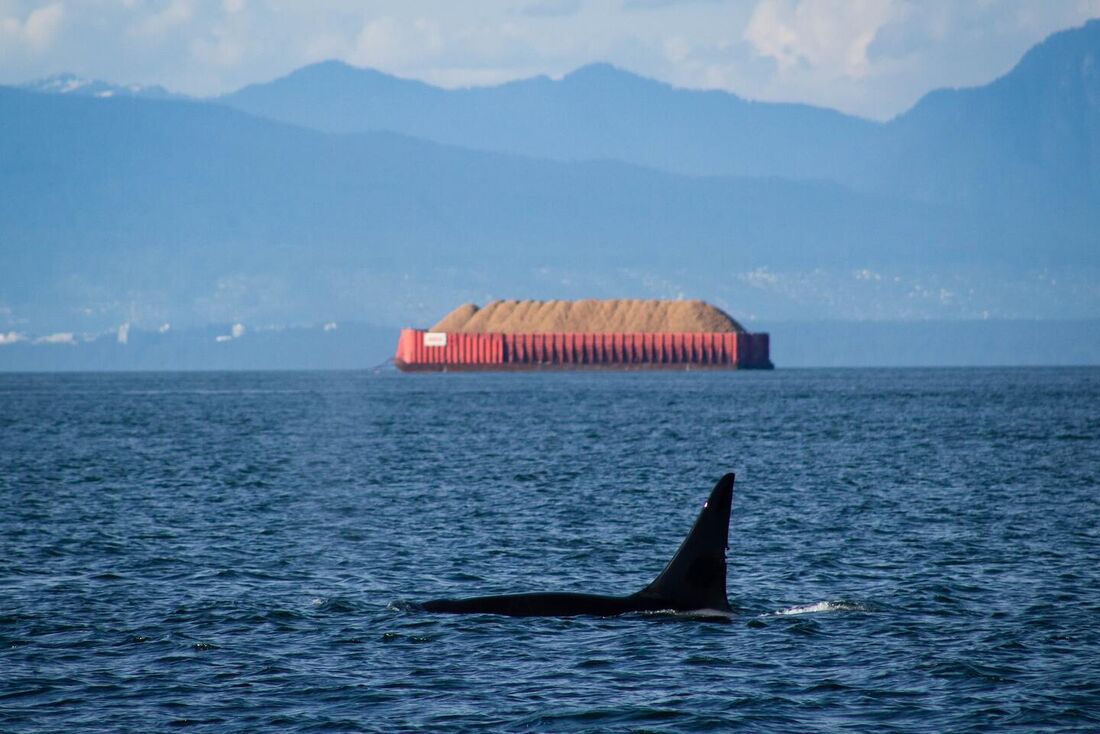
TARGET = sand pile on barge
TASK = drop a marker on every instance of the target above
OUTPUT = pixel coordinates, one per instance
(588, 316)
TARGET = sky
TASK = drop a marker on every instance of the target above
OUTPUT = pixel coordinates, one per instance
(873, 58)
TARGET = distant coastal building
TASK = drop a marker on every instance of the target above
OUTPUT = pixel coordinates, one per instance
(587, 334)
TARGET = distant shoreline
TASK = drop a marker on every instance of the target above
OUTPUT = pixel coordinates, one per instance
(795, 344)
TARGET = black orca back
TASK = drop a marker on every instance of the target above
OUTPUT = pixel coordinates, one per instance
(695, 578)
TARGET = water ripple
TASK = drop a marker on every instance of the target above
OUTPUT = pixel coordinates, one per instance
(910, 550)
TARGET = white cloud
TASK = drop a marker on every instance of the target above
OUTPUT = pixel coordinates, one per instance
(42, 25)
(830, 35)
(388, 43)
(123, 334)
(164, 328)
(38, 31)
(61, 337)
(11, 337)
(551, 8)
(220, 338)
(226, 43)
(175, 14)
(330, 326)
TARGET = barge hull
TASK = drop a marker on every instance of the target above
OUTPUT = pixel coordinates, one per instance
(426, 351)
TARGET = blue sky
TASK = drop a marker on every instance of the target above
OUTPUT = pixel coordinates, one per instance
(869, 57)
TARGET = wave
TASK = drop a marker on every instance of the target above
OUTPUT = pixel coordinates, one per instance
(822, 606)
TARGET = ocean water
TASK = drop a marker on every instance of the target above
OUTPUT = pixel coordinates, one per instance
(910, 550)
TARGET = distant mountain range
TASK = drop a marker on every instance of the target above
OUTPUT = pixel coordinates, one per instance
(596, 112)
(341, 193)
(151, 197)
(1030, 138)
(1031, 135)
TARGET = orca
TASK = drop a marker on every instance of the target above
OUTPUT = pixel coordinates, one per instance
(693, 581)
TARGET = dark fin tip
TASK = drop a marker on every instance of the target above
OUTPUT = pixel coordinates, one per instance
(695, 578)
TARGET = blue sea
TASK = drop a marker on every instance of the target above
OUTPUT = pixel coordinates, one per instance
(910, 550)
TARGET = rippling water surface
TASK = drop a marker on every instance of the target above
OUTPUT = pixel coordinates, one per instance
(909, 550)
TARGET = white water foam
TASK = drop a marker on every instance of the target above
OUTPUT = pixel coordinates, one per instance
(821, 606)
(401, 605)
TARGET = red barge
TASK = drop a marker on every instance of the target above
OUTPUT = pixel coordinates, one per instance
(583, 335)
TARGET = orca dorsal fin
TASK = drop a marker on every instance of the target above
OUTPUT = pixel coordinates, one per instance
(695, 578)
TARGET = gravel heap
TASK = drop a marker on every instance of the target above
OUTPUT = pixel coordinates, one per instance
(587, 316)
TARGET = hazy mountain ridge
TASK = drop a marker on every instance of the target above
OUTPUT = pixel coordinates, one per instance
(1003, 140)
(595, 112)
(1033, 134)
(116, 201)
(1031, 137)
